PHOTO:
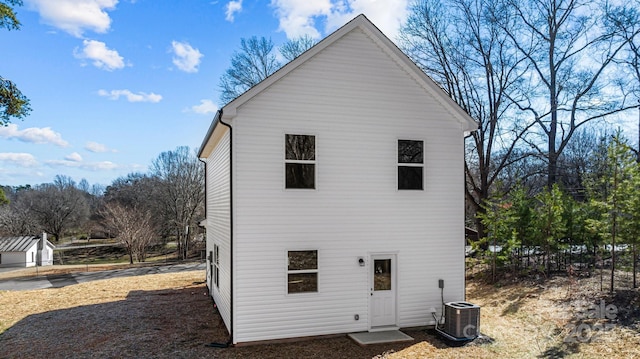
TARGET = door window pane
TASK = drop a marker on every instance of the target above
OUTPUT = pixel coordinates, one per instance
(382, 274)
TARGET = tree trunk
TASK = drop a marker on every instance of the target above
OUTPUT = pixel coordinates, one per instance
(635, 265)
(613, 252)
(493, 264)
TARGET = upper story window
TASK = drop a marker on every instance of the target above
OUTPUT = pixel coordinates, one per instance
(300, 161)
(410, 164)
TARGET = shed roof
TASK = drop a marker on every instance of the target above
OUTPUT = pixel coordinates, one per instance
(19, 244)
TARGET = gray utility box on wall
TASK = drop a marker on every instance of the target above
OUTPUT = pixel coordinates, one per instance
(462, 320)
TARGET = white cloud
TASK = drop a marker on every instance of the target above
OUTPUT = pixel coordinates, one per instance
(75, 16)
(97, 147)
(185, 57)
(19, 159)
(100, 166)
(232, 8)
(91, 166)
(205, 107)
(75, 157)
(130, 96)
(33, 135)
(299, 17)
(101, 56)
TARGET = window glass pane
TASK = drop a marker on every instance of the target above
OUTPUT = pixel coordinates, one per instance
(410, 151)
(302, 282)
(409, 177)
(382, 274)
(300, 175)
(303, 260)
(300, 147)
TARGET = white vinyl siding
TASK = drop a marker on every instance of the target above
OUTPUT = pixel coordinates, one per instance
(355, 98)
(219, 221)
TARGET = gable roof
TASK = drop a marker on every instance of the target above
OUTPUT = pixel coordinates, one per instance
(229, 111)
(363, 23)
(17, 244)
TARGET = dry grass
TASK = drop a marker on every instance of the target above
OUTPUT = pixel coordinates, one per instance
(170, 316)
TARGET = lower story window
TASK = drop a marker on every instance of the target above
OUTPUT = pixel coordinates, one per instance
(302, 271)
(216, 265)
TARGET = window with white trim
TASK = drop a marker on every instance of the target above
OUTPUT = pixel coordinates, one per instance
(300, 161)
(410, 164)
(302, 271)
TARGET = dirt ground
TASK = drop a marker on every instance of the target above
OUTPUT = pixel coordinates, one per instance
(170, 316)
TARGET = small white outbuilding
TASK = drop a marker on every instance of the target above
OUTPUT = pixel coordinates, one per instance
(25, 251)
(335, 194)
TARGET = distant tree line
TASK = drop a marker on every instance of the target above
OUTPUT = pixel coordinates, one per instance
(138, 209)
(555, 231)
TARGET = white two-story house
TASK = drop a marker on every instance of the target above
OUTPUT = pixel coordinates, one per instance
(335, 194)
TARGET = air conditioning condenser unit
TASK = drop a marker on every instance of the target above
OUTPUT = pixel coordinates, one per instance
(462, 320)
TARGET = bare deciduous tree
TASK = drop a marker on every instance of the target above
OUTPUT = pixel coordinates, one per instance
(571, 47)
(16, 220)
(132, 226)
(57, 206)
(460, 45)
(253, 63)
(295, 47)
(180, 192)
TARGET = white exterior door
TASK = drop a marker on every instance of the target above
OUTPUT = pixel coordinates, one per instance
(383, 280)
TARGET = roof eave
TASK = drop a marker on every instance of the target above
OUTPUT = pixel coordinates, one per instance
(214, 123)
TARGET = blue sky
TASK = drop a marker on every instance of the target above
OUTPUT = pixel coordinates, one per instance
(113, 83)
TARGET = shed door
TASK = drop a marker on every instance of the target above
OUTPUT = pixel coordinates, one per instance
(383, 291)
